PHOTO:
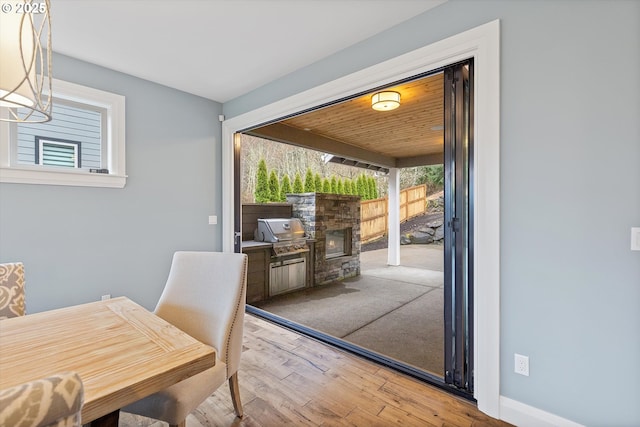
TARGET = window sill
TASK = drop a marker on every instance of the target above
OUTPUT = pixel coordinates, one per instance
(52, 177)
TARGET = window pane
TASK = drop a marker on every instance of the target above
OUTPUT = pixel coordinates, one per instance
(69, 123)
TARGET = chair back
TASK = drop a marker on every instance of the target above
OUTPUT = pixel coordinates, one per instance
(54, 401)
(11, 290)
(205, 297)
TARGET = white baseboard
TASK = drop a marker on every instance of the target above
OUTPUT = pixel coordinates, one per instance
(522, 415)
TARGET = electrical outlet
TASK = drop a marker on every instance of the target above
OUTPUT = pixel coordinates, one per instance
(521, 365)
(105, 297)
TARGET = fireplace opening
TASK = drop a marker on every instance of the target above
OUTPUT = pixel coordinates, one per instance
(337, 243)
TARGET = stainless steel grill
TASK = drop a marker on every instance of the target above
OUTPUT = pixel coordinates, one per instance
(287, 270)
(278, 229)
(286, 234)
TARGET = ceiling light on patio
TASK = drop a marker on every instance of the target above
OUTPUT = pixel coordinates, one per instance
(25, 64)
(385, 101)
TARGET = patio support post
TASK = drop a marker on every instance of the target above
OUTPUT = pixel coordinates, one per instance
(393, 251)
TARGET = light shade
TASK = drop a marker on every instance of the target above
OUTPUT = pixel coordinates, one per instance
(25, 65)
(385, 101)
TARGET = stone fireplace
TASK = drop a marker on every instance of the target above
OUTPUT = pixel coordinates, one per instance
(333, 220)
(338, 242)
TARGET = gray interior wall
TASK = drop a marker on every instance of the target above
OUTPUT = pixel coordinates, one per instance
(570, 190)
(79, 243)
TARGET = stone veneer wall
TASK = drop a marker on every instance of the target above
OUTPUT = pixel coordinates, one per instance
(320, 212)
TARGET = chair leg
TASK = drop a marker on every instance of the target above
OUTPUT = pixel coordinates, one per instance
(235, 394)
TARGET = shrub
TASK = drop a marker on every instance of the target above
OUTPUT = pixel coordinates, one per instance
(309, 183)
(326, 186)
(285, 188)
(261, 194)
(274, 187)
(373, 188)
(298, 187)
(347, 186)
(334, 184)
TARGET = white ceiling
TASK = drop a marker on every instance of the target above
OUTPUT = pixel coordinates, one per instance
(218, 49)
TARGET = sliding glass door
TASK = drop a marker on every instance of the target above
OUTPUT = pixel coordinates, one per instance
(458, 263)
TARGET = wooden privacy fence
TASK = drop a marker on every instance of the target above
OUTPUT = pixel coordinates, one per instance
(374, 214)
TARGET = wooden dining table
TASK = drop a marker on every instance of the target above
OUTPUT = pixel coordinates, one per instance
(121, 351)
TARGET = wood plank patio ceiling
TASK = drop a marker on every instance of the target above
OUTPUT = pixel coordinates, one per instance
(411, 135)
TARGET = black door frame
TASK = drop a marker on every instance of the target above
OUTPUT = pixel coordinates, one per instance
(458, 248)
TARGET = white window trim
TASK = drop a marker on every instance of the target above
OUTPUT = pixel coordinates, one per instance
(115, 140)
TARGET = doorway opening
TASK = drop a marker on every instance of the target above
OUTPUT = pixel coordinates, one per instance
(394, 314)
(395, 311)
(482, 44)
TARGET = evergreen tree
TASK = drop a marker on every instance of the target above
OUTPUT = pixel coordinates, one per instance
(373, 188)
(285, 188)
(347, 186)
(309, 183)
(274, 187)
(318, 183)
(362, 187)
(340, 186)
(298, 187)
(365, 183)
(326, 186)
(261, 194)
(334, 185)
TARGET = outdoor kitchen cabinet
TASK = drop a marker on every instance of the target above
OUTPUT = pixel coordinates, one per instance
(258, 255)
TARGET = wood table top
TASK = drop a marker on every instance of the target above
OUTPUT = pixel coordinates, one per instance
(121, 351)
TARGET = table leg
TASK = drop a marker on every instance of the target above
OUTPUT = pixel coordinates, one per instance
(109, 420)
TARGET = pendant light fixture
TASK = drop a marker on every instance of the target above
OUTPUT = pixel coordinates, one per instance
(385, 101)
(25, 64)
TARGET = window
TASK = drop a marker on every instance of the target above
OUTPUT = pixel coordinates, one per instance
(57, 153)
(82, 145)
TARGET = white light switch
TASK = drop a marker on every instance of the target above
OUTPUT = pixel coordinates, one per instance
(635, 238)
(213, 219)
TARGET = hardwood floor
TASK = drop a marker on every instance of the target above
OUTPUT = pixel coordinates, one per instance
(289, 379)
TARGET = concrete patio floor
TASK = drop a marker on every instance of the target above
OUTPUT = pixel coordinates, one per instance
(396, 311)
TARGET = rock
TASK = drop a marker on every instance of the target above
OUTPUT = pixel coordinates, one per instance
(435, 204)
(435, 224)
(427, 230)
(405, 239)
(439, 234)
(420, 238)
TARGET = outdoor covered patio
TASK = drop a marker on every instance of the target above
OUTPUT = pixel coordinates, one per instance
(391, 310)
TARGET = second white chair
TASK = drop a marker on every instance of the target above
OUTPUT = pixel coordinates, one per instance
(205, 297)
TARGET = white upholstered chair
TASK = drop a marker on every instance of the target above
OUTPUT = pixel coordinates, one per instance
(205, 297)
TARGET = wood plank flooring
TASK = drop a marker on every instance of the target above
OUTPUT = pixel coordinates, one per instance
(289, 379)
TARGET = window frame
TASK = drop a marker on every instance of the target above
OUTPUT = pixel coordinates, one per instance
(113, 105)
